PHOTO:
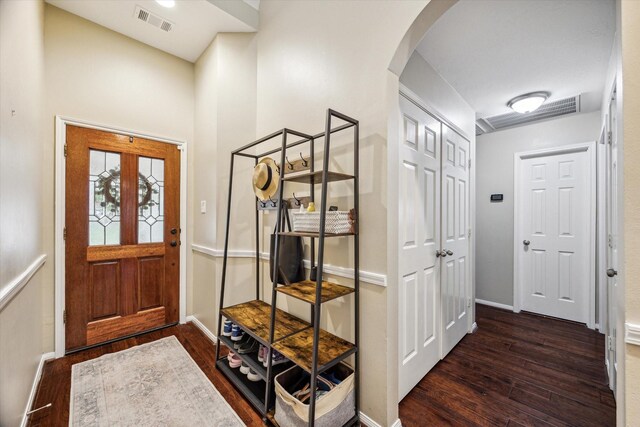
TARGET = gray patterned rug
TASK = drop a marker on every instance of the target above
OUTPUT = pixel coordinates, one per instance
(154, 384)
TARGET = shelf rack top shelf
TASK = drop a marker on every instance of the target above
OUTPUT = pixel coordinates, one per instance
(316, 177)
(306, 291)
(314, 235)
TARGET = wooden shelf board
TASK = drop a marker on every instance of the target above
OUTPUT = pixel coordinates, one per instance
(316, 177)
(299, 348)
(306, 291)
(314, 235)
(255, 318)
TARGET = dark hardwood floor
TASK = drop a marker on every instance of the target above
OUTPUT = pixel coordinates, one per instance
(55, 385)
(516, 370)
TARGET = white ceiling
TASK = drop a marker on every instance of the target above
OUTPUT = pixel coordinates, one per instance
(196, 22)
(493, 50)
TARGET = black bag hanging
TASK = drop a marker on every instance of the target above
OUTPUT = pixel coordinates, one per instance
(291, 254)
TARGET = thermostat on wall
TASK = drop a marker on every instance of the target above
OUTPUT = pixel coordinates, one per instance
(497, 197)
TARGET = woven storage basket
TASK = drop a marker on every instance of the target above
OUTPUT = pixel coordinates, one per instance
(336, 222)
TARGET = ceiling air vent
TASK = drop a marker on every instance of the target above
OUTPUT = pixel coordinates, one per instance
(546, 111)
(153, 19)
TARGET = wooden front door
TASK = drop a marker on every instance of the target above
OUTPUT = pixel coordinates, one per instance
(122, 243)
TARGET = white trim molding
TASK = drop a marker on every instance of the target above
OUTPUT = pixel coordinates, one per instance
(632, 333)
(334, 270)
(198, 324)
(60, 168)
(34, 386)
(494, 304)
(13, 288)
(369, 422)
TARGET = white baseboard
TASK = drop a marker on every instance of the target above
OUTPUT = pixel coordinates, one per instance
(34, 386)
(494, 304)
(204, 329)
(474, 328)
(366, 420)
(632, 333)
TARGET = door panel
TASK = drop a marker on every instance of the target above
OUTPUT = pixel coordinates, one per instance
(554, 198)
(122, 259)
(419, 238)
(455, 225)
(612, 244)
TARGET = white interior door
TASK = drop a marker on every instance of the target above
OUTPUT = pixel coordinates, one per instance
(612, 245)
(419, 238)
(553, 240)
(455, 236)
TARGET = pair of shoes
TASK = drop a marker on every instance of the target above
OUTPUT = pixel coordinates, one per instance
(262, 353)
(276, 358)
(228, 328)
(250, 373)
(242, 341)
(249, 346)
(236, 332)
(234, 360)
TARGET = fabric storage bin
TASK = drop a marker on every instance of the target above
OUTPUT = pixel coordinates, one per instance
(335, 408)
(336, 222)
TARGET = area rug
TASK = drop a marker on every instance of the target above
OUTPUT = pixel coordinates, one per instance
(154, 384)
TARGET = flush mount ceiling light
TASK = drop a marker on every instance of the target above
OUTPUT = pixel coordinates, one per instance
(166, 3)
(528, 102)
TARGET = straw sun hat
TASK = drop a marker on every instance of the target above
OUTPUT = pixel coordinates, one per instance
(265, 178)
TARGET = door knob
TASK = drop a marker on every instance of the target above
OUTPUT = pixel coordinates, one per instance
(438, 253)
(441, 253)
(449, 252)
(174, 231)
(173, 243)
(611, 272)
(526, 242)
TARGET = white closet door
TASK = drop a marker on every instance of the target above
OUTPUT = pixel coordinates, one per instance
(419, 238)
(554, 199)
(455, 236)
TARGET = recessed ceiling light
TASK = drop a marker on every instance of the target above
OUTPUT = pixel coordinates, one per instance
(166, 3)
(528, 102)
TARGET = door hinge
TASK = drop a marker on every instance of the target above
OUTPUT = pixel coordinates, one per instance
(64, 317)
(609, 137)
(468, 302)
(610, 343)
(64, 233)
(469, 234)
(469, 163)
(65, 150)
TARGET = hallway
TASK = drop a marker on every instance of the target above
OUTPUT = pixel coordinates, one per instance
(517, 369)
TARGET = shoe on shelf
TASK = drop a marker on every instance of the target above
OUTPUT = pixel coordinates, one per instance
(245, 339)
(234, 360)
(253, 375)
(244, 368)
(226, 332)
(236, 333)
(250, 346)
(261, 353)
(276, 358)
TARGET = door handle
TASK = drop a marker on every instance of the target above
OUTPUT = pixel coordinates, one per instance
(174, 231)
(441, 253)
(526, 242)
(449, 252)
(438, 253)
(611, 272)
(173, 243)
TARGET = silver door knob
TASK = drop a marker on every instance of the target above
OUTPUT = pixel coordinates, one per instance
(442, 253)
(449, 252)
(526, 242)
(611, 272)
(438, 253)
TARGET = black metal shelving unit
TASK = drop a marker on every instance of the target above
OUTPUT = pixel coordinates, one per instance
(302, 342)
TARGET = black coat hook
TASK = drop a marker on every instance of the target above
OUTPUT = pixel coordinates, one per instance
(290, 164)
(296, 199)
(273, 202)
(304, 162)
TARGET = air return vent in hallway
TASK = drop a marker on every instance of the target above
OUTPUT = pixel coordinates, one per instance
(546, 111)
(152, 19)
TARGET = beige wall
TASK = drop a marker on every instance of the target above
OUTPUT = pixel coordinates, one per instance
(100, 76)
(21, 207)
(630, 48)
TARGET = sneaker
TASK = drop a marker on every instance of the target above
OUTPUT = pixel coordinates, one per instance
(226, 332)
(276, 358)
(234, 360)
(261, 352)
(245, 339)
(253, 375)
(236, 333)
(249, 347)
(244, 368)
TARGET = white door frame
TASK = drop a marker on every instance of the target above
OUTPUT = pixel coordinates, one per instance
(59, 250)
(590, 148)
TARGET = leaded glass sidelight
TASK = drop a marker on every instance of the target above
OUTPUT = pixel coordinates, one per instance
(104, 198)
(150, 200)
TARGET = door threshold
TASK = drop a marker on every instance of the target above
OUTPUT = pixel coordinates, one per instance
(88, 347)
